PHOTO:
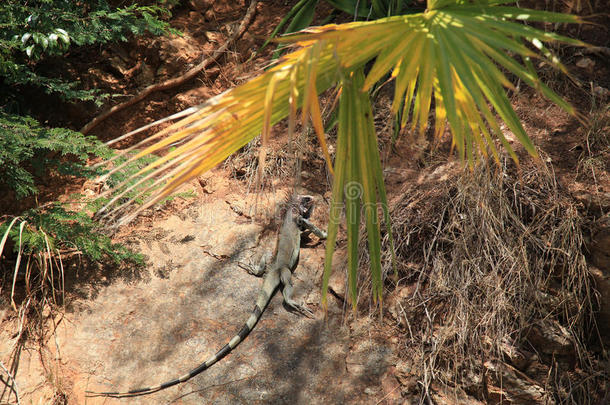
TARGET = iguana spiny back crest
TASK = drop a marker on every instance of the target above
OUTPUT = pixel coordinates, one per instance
(296, 221)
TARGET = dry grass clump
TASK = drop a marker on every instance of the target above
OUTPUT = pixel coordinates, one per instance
(244, 164)
(595, 157)
(495, 295)
(282, 161)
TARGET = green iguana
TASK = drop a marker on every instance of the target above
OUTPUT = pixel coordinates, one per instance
(296, 221)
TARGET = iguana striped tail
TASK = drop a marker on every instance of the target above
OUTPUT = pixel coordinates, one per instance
(264, 297)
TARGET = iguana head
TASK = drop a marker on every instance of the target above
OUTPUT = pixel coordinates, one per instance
(305, 205)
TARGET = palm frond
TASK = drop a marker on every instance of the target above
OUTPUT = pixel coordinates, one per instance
(454, 54)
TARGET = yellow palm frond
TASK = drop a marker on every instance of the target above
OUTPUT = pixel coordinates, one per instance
(455, 54)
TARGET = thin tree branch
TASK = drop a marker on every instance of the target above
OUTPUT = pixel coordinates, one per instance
(176, 81)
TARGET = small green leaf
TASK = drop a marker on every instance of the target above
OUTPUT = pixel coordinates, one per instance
(53, 40)
(63, 35)
(349, 6)
(41, 40)
(295, 9)
(303, 17)
(26, 37)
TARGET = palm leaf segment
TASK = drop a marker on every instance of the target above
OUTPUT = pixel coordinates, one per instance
(455, 54)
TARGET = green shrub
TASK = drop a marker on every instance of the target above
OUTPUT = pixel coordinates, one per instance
(36, 37)
(38, 30)
(29, 151)
(54, 228)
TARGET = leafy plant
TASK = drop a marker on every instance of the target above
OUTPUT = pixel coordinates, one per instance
(34, 36)
(451, 55)
(301, 14)
(29, 150)
(33, 31)
(44, 234)
(53, 227)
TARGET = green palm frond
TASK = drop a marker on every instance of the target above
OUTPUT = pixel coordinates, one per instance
(454, 54)
(358, 185)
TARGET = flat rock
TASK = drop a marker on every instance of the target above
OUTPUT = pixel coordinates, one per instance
(191, 300)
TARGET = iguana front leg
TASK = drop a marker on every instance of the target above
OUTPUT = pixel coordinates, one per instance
(306, 225)
(287, 289)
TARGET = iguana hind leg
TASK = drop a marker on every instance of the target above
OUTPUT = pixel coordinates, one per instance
(256, 270)
(287, 289)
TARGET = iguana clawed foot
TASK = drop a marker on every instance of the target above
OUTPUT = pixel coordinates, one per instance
(301, 309)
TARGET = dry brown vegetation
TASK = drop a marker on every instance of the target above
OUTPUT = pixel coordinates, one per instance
(494, 284)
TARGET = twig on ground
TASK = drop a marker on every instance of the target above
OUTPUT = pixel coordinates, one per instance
(212, 386)
(14, 386)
